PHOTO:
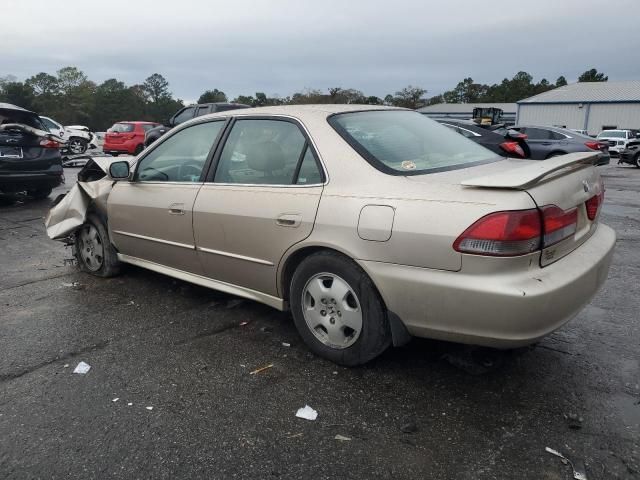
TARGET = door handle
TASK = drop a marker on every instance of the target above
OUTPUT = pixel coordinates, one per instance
(289, 220)
(176, 209)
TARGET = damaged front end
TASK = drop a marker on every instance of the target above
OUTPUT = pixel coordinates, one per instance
(90, 193)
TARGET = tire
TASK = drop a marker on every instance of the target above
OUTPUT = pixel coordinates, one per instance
(40, 193)
(77, 146)
(138, 150)
(636, 160)
(93, 249)
(323, 326)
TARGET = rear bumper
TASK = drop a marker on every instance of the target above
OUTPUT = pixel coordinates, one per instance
(127, 147)
(501, 310)
(11, 182)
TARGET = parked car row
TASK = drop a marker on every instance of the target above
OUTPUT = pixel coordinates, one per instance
(534, 142)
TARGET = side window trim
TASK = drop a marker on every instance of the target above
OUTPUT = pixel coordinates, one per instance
(174, 131)
(215, 160)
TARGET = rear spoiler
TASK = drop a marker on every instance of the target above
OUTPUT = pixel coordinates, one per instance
(532, 172)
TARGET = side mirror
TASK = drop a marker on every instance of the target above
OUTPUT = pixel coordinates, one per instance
(119, 170)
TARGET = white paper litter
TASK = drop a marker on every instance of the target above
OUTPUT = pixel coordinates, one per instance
(149, 408)
(307, 413)
(342, 438)
(115, 399)
(129, 404)
(82, 368)
(285, 344)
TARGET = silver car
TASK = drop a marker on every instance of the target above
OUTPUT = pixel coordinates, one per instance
(370, 224)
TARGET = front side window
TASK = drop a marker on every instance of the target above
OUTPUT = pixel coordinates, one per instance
(184, 115)
(407, 143)
(50, 125)
(263, 152)
(122, 128)
(181, 157)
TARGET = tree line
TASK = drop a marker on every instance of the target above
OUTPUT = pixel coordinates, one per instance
(71, 98)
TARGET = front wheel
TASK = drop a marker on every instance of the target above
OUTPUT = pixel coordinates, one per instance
(636, 160)
(93, 249)
(337, 310)
(77, 145)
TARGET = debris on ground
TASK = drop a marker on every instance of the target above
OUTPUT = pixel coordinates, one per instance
(234, 303)
(574, 421)
(149, 408)
(115, 399)
(130, 302)
(74, 285)
(66, 365)
(266, 329)
(129, 404)
(409, 426)
(579, 472)
(261, 369)
(294, 435)
(82, 368)
(242, 324)
(342, 438)
(307, 413)
(285, 344)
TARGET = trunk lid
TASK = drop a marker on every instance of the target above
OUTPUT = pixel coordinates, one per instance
(567, 181)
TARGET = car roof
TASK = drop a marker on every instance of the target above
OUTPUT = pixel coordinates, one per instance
(10, 106)
(302, 111)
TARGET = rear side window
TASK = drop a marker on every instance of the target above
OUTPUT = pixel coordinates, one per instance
(407, 143)
(184, 115)
(123, 127)
(536, 133)
(148, 126)
(203, 110)
(261, 152)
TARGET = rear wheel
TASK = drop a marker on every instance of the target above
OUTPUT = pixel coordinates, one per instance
(337, 310)
(40, 193)
(94, 251)
(636, 160)
(77, 145)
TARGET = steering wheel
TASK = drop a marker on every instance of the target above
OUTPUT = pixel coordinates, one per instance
(189, 171)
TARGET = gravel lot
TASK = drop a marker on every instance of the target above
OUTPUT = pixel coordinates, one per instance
(156, 342)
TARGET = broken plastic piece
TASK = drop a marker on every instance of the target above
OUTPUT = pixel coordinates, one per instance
(242, 324)
(258, 370)
(285, 344)
(115, 399)
(307, 413)
(342, 438)
(82, 368)
(579, 472)
(149, 408)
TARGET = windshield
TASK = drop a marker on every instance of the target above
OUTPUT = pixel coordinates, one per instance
(612, 134)
(122, 128)
(400, 142)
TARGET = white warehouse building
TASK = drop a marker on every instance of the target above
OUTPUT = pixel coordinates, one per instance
(590, 106)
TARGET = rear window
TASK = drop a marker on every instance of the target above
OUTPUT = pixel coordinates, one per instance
(612, 134)
(407, 143)
(18, 116)
(148, 126)
(122, 127)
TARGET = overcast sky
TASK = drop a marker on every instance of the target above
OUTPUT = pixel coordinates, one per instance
(284, 46)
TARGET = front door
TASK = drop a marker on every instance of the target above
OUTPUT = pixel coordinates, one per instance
(261, 200)
(151, 217)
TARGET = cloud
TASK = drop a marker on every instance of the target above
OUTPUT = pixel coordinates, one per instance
(283, 46)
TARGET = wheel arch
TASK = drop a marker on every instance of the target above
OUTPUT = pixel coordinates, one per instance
(399, 333)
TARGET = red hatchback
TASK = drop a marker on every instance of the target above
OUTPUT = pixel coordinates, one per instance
(126, 137)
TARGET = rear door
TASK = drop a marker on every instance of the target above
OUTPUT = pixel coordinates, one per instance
(261, 199)
(151, 217)
(543, 143)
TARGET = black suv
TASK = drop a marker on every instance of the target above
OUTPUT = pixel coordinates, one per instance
(187, 113)
(30, 159)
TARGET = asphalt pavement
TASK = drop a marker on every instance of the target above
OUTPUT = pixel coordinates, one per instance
(170, 392)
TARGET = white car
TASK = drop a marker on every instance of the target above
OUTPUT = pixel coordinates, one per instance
(78, 137)
(618, 139)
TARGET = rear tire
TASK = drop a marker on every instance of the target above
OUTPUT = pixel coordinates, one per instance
(40, 193)
(337, 310)
(636, 160)
(93, 249)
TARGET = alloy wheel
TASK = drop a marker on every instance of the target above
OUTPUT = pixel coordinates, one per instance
(76, 146)
(91, 248)
(332, 310)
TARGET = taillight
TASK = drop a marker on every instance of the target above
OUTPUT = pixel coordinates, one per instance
(593, 205)
(48, 143)
(558, 224)
(513, 148)
(593, 145)
(502, 234)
